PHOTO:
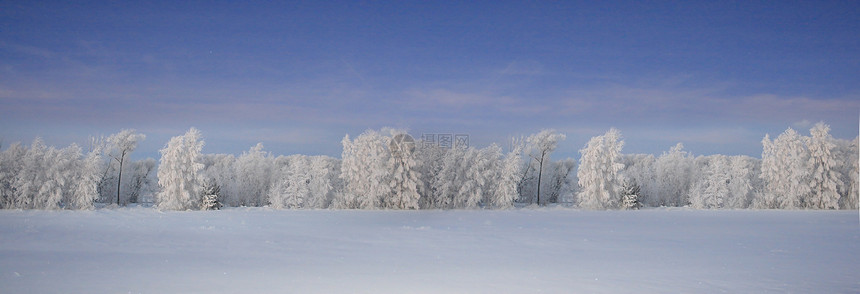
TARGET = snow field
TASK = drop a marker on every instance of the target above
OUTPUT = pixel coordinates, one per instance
(259, 250)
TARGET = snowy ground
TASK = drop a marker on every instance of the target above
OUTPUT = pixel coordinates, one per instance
(141, 250)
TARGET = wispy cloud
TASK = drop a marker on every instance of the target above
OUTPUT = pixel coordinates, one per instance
(28, 50)
(788, 109)
(526, 67)
(665, 104)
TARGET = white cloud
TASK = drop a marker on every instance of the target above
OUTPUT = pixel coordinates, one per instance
(802, 124)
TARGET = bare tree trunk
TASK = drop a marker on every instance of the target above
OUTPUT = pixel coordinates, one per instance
(540, 173)
(119, 178)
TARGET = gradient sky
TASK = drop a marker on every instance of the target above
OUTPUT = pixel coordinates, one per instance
(298, 76)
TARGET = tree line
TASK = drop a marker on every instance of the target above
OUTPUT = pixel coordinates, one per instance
(387, 169)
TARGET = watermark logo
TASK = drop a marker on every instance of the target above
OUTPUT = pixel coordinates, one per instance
(402, 144)
(445, 140)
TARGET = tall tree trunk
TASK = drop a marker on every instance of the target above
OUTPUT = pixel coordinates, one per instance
(540, 173)
(119, 178)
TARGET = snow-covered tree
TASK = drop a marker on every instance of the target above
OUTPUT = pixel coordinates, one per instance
(325, 177)
(850, 169)
(481, 176)
(140, 186)
(87, 173)
(785, 171)
(743, 181)
(470, 177)
(11, 164)
(209, 199)
(292, 189)
(180, 172)
(540, 146)
(122, 145)
(404, 172)
(44, 177)
(711, 190)
(823, 162)
(254, 170)
(51, 180)
(560, 181)
(448, 180)
(432, 157)
(365, 171)
(630, 194)
(221, 168)
(639, 170)
(106, 166)
(795, 167)
(64, 172)
(305, 182)
(28, 181)
(505, 192)
(599, 172)
(675, 171)
(471, 182)
(768, 197)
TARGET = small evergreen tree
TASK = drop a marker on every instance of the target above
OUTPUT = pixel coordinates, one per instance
(211, 192)
(630, 195)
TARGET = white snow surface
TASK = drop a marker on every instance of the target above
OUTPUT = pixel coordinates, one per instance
(259, 250)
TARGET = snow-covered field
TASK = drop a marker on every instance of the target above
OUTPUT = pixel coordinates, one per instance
(142, 250)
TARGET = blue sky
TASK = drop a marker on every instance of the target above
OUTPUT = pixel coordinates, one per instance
(298, 76)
